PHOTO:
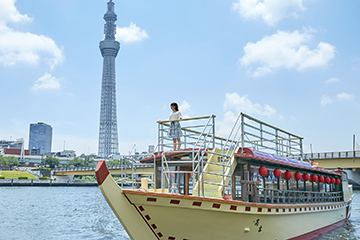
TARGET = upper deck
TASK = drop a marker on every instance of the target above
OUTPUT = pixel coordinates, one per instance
(250, 165)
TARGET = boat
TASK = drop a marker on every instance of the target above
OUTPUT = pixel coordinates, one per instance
(252, 185)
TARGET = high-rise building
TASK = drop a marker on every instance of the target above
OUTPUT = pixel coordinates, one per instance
(40, 137)
(108, 134)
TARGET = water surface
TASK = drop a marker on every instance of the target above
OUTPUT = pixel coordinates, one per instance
(28, 213)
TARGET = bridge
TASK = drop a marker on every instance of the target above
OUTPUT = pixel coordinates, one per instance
(333, 160)
(140, 169)
(348, 160)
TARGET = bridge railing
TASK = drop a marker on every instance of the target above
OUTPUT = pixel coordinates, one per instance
(75, 169)
(328, 155)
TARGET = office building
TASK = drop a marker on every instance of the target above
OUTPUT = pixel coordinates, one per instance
(40, 138)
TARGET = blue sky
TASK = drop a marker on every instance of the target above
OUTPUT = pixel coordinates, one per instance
(294, 64)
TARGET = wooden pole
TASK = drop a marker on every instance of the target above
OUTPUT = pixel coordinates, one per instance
(186, 184)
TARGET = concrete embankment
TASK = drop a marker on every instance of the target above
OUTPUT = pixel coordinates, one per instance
(44, 183)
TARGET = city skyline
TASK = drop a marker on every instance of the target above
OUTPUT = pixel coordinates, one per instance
(293, 64)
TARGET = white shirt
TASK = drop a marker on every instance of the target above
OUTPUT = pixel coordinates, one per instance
(175, 115)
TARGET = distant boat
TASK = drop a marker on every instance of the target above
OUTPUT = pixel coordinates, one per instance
(238, 193)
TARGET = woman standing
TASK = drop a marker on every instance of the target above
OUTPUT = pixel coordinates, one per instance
(175, 128)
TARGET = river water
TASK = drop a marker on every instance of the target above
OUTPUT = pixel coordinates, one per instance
(29, 213)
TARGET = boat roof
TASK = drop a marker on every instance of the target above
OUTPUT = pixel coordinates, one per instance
(272, 159)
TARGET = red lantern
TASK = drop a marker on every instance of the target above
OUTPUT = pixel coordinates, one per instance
(327, 180)
(332, 180)
(313, 178)
(297, 176)
(287, 174)
(227, 197)
(262, 171)
(320, 178)
(277, 173)
(306, 177)
(337, 181)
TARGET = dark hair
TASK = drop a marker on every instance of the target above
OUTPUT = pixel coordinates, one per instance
(175, 105)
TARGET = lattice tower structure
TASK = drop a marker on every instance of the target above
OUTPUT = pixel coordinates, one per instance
(108, 134)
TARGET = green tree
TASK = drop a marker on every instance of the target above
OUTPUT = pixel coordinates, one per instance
(89, 161)
(12, 161)
(76, 162)
(2, 160)
(51, 161)
(79, 162)
(113, 162)
(118, 162)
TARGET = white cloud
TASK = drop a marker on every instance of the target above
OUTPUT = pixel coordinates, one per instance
(332, 80)
(46, 82)
(225, 125)
(344, 96)
(325, 100)
(16, 47)
(185, 106)
(131, 34)
(271, 11)
(9, 13)
(243, 104)
(285, 50)
(25, 47)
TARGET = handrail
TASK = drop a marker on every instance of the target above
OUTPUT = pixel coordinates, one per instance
(266, 124)
(262, 134)
(247, 131)
(185, 119)
(163, 160)
(327, 155)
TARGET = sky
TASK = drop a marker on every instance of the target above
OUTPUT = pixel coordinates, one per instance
(294, 64)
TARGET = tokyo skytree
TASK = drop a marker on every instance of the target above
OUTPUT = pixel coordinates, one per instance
(108, 134)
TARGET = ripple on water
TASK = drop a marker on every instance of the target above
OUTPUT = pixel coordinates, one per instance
(29, 213)
(57, 213)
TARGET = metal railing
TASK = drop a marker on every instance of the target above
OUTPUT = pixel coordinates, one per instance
(127, 162)
(228, 150)
(135, 165)
(328, 155)
(251, 193)
(262, 136)
(92, 168)
(195, 141)
(246, 132)
(195, 135)
(347, 154)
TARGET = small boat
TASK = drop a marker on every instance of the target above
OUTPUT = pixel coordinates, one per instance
(231, 188)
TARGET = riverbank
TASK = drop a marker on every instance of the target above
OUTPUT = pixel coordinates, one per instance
(44, 183)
